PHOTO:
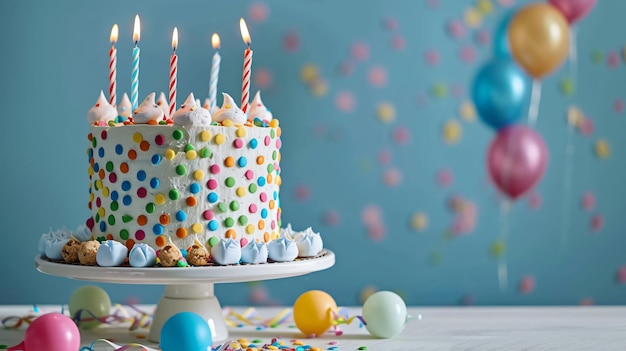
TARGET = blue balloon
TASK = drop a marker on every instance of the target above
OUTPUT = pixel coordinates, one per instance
(500, 92)
(186, 331)
(501, 46)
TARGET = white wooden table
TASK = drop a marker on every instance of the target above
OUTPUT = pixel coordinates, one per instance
(446, 328)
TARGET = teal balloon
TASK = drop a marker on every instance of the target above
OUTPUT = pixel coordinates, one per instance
(186, 331)
(385, 314)
(93, 301)
(501, 92)
(501, 48)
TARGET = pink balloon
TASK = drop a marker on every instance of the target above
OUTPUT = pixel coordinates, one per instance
(50, 332)
(574, 10)
(516, 160)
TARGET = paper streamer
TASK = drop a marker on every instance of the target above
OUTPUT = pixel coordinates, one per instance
(503, 272)
(247, 316)
(342, 317)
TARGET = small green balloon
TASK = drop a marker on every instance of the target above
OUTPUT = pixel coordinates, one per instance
(385, 314)
(93, 299)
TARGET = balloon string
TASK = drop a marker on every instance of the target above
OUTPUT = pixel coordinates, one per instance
(573, 56)
(116, 347)
(535, 99)
(503, 275)
(567, 182)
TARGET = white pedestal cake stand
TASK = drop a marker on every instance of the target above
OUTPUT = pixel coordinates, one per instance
(188, 289)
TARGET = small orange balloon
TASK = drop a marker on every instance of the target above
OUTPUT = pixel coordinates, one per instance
(313, 312)
(539, 38)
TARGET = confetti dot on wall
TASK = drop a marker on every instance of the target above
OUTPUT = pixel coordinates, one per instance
(386, 112)
(506, 3)
(365, 293)
(620, 276)
(472, 17)
(527, 284)
(319, 87)
(377, 76)
(398, 42)
(467, 111)
(331, 218)
(534, 201)
(467, 53)
(392, 177)
(597, 56)
(436, 257)
(452, 132)
(574, 116)
(432, 57)
(258, 12)
(419, 222)
(376, 232)
(401, 135)
(485, 7)
(346, 68)
(371, 215)
(458, 90)
(602, 149)
(302, 193)
(344, 101)
(612, 59)
(618, 106)
(384, 157)
(456, 29)
(597, 223)
(588, 201)
(439, 90)
(483, 37)
(360, 51)
(291, 41)
(262, 78)
(497, 249)
(390, 24)
(467, 300)
(567, 86)
(309, 73)
(586, 126)
(587, 301)
(433, 4)
(445, 177)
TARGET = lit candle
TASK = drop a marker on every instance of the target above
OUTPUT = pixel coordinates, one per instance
(173, 71)
(134, 86)
(215, 72)
(113, 66)
(247, 64)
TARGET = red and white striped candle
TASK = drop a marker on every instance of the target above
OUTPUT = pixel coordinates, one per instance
(113, 66)
(173, 72)
(247, 65)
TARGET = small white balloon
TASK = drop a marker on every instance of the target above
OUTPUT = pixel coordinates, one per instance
(385, 314)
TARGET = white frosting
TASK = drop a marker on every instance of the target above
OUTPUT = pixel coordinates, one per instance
(261, 204)
(254, 252)
(148, 111)
(309, 243)
(229, 110)
(54, 242)
(111, 253)
(101, 112)
(125, 109)
(82, 233)
(163, 105)
(226, 251)
(259, 110)
(287, 231)
(282, 250)
(192, 114)
(142, 255)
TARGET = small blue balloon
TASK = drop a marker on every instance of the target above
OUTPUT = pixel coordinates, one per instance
(501, 46)
(501, 90)
(186, 331)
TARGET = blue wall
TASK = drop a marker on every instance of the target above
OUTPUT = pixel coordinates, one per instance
(354, 172)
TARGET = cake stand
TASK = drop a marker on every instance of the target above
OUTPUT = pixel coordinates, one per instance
(188, 289)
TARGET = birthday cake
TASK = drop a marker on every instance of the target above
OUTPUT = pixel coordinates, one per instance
(194, 189)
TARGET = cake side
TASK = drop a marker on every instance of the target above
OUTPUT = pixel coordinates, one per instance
(154, 184)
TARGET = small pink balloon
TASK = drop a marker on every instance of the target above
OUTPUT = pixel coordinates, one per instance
(516, 160)
(574, 10)
(50, 332)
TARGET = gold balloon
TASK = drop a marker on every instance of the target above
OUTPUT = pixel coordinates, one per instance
(539, 38)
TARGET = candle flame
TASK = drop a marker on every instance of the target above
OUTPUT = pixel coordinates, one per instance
(114, 34)
(136, 33)
(215, 41)
(244, 31)
(175, 39)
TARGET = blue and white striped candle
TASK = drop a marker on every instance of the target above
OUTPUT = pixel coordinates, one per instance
(215, 72)
(134, 86)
